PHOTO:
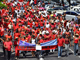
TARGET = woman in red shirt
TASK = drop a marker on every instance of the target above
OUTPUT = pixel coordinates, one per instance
(67, 42)
(16, 43)
(75, 43)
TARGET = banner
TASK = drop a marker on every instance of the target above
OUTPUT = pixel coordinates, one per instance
(23, 43)
(49, 43)
(24, 46)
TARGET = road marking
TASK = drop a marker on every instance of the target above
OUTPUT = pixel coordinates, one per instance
(73, 52)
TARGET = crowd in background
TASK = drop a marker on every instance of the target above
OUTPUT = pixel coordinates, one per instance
(25, 21)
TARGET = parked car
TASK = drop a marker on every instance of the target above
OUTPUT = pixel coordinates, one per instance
(58, 10)
(78, 1)
(75, 8)
(71, 15)
(73, 1)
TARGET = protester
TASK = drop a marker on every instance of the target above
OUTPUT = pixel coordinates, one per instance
(3, 44)
(75, 43)
(60, 46)
(33, 41)
(8, 45)
(67, 44)
(16, 43)
(31, 22)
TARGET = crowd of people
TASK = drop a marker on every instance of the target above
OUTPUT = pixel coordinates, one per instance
(27, 22)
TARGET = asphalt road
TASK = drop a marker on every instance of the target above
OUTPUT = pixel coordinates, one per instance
(51, 56)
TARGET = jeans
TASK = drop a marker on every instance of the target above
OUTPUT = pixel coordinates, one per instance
(7, 54)
(3, 50)
(66, 48)
(38, 53)
(24, 53)
(60, 50)
(75, 48)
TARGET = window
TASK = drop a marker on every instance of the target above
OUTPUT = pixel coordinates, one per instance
(73, 13)
(76, 9)
(67, 12)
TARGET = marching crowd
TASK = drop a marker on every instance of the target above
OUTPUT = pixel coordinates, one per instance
(28, 22)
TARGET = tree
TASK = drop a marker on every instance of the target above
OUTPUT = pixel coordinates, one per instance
(1, 0)
(2, 5)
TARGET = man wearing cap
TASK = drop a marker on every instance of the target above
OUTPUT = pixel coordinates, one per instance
(47, 37)
(75, 44)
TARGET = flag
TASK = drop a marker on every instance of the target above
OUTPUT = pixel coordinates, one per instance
(23, 43)
(49, 43)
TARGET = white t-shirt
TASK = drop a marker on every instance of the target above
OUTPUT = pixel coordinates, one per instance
(68, 24)
(47, 25)
(43, 32)
(33, 41)
(10, 26)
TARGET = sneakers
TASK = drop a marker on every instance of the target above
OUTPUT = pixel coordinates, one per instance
(76, 54)
(59, 56)
(16, 58)
(41, 59)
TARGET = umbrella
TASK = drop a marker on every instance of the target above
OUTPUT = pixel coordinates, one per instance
(41, 8)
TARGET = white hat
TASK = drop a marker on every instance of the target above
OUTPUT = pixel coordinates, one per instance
(53, 31)
(47, 32)
(40, 32)
(47, 21)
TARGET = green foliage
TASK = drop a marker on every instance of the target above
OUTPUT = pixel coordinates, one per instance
(2, 6)
(1, 0)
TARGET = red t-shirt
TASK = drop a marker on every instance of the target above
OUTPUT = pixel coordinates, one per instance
(77, 32)
(36, 24)
(10, 37)
(76, 40)
(27, 3)
(30, 24)
(2, 31)
(66, 41)
(48, 37)
(54, 36)
(16, 43)
(6, 25)
(41, 23)
(27, 39)
(41, 41)
(60, 41)
(1, 23)
(35, 1)
(20, 0)
(16, 35)
(8, 45)
(13, 9)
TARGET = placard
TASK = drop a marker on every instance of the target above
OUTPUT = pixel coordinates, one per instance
(38, 47)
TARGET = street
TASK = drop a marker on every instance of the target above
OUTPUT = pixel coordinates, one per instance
(51, 56)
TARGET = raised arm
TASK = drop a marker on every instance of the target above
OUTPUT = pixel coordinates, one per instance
(1, 39)
(12, 47)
